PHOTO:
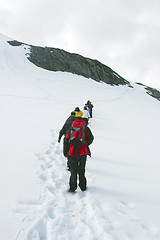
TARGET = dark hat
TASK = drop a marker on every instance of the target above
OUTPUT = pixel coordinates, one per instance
(73, 113)
(77, 109)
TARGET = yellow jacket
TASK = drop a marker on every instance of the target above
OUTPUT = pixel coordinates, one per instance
(78, 114)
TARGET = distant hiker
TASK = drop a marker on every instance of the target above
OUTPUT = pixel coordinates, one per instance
(78, 112)
(86, 114)
(76, 149)
(90, 106)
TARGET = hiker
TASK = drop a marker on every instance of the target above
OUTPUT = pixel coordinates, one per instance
(86, 115)
(76, 150)
(66, 126)
(78, 112)
(90, 106)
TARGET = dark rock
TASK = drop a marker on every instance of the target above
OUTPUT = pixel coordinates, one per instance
(55, 59)
(151, 91)
(15, 43)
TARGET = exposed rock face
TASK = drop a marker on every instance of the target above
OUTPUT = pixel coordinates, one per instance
(59, 60)
(151, 91)
(55, 59)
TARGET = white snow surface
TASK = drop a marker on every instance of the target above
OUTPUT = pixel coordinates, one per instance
(123, 197)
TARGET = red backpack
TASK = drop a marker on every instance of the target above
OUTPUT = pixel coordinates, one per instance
(77, 133)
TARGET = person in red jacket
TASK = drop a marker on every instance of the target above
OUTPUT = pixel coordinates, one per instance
(77, 156)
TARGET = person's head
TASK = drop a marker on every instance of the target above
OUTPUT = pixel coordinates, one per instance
(73, 113)
(77, 109)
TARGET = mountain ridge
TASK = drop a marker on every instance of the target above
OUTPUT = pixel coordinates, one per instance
(55, 59)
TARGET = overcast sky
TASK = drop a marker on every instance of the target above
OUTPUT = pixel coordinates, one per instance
(122, 34)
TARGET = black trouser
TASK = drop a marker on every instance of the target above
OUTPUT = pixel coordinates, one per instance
(90, 112)
(77, 168)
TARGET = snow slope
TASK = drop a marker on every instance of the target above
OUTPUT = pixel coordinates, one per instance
(123, 198)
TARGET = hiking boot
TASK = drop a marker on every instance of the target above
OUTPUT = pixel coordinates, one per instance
(71, 191)
(83, 189)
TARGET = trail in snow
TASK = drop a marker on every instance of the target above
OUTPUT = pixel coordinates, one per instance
(59, 215)
(107, 210)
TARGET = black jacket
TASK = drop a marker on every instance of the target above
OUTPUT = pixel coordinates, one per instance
(66, 126)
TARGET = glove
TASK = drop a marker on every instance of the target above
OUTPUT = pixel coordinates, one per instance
(59, 140)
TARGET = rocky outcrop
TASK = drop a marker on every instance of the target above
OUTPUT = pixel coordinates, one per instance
(151, 91)
(59, 60)
(55, 59)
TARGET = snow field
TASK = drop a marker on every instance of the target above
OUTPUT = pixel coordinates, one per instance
(122, 201)
(61, 215)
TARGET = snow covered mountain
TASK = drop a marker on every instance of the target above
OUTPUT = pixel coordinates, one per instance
(123, 198)
(54, 59)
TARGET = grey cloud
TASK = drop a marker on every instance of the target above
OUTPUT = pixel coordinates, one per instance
(123, 34)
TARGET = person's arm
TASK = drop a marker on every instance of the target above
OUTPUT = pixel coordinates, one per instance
(66, 147)
(62, 132)
(90, 137)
